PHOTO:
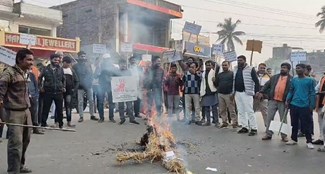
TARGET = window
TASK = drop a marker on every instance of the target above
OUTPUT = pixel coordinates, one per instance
(32, 30)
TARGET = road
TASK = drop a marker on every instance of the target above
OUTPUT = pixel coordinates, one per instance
(92, 149)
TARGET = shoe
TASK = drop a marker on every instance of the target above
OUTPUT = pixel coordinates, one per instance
(224, 125)
(266, 137)
(234, 125)
(25, 170)
(253, 132)
(122, 121)
(321, 149)
(134, 122)
(190, 122)
(243, 131)
(199, 123)
(36, 131)
(112, 120)
(93, 118)
(291, 142)
(310, 146)
(70, 125)
(101, 121)
(285, 139)
(207, 124)
(318, 142)
(300, 134)
(81, 119)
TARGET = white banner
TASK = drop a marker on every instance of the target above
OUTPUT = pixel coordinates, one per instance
(298, 56)
(172, 56)
(146, 57)
(7, 56)
(27, 39)
(126, 47)
(217, 49)
(124, 89)
(99, 48)
(230, 56)
(192, 28)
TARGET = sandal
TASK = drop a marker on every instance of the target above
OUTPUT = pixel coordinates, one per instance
(322, 149)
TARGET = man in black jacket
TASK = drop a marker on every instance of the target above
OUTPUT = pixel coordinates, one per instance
(277, 89)
(85, 75)
(52, 84)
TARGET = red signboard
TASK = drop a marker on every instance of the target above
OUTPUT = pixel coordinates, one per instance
(44, 43)
(149, 48)
(156, 8)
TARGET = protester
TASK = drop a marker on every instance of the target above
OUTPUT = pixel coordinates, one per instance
(121, 105)
(208, 92)
(260, 104)
(245, 86)
(192, 82)
(95, 67)
(173, 84)
(277, 89)
(320, 101)
(14, 98)
(71, 87)
(301, 101)
(269, 71)
(85, 75)
(224, 83)
(308, 73)
(137, 73)
(153, 83)
(33, 92)
(52, 84)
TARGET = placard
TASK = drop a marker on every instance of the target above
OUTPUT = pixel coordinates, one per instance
(230, 56)
(192, 28)
(126, 47)
(298, 56)
(7, 56)
(218, 49)
(99, 48)
(146, 57)
(123, 89)
(27, 39)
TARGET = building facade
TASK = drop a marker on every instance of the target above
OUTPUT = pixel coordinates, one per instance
(143, 23)
(283, 52)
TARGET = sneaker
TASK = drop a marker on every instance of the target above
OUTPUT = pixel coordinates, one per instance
(101, 121)
(199, 123)
(112, 120)
(81, 119)
(224, 125)
(93, 118)
(310, 146)
(284, 139)
(134, 122)
(122, 121)
(318, 142)
(253, 132)
(243, 131)
(25, 170)
(266, 137)
(207, 124)
(321, 149)
(291, 142)
(234, 125)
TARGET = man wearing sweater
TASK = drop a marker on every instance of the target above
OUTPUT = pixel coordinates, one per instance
(277, 89)
(224, 83)
(301, 101)
(246, 84)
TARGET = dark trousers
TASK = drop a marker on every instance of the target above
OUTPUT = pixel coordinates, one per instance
(136, 107)
(34, 110)
(102, 91)
(129, 110)
(67, 104)
(47, 102)
(207, 111)
(40, 107)
(301, 115)
(19, 138)
(155, 95)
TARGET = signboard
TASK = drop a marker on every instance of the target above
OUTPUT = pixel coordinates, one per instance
(218, 49)
(230, 56)
(126, 47)
(27, 39)
(7, 56)
(42, 43)
(172, 56)
(298, 56)
(254, 45)
(146, 57)
(99, 48)
(193, 49)
(123, 89)
(199, 39)
(192, 28)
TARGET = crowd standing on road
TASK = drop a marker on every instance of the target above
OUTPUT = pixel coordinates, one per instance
(196, 88)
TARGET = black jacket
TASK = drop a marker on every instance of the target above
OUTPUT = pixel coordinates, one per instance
(52, 80)
(85, 74)
(72, 82)
(269, 87)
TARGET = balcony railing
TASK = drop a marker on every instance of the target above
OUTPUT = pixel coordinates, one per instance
(165, 4)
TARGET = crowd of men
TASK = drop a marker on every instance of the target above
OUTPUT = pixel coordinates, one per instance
(205, 91)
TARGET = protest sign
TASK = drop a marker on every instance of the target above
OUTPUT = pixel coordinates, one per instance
(27, 39)
(126, 47)
(298, 56)
(99, 48)
(172, 56)
(218, 49)
(146, 57)
(7, 56)
(192, 28)
(230, 56)
(124, 89)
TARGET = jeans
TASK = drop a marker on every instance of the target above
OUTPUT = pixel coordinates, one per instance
(155, 95)
(102, 91)
(207, 110)
(136, 107)
(34, 110)
(58, 100)
(19, 138)
(81, 93)
(246, 116)
(129, 110)
(273, 107)
(40, 107)
(67, 105)
(173, 102)
(303, 115)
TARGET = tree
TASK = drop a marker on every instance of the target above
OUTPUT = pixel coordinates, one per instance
(228, 33)
(321, 22)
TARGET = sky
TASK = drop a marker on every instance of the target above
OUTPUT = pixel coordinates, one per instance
(274, 22)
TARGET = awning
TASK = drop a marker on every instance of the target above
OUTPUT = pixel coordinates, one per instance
(149, 48)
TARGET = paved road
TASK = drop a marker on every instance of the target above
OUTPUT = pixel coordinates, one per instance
(92, 150)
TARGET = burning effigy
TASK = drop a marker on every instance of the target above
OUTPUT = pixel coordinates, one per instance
(160, 146)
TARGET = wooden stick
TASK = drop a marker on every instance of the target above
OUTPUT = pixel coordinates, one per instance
(39, 127)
